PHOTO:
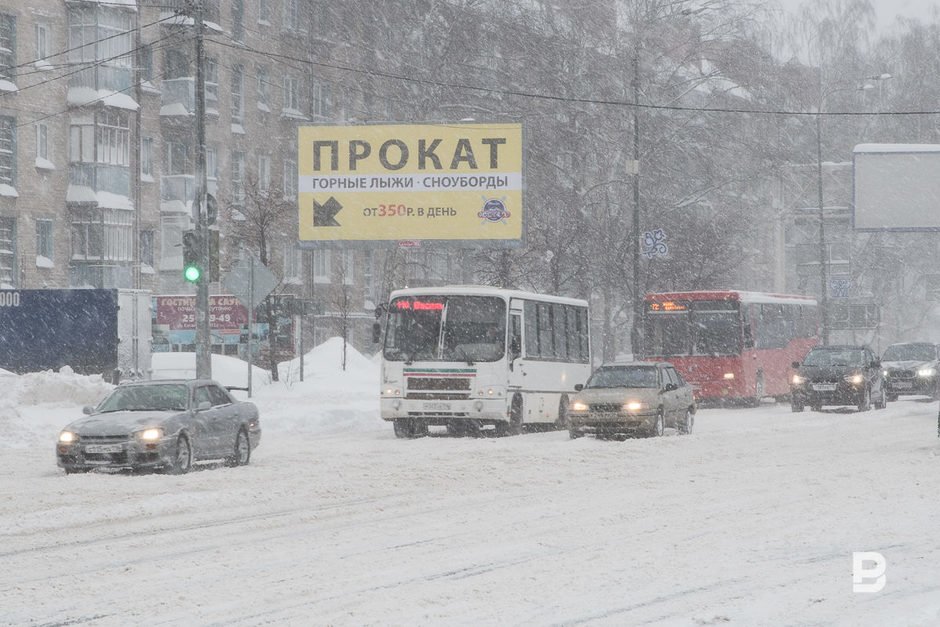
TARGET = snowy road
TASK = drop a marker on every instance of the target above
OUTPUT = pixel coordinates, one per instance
(752, 520)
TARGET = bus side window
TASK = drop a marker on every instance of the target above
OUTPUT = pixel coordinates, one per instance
(515, 338)
(746, 326)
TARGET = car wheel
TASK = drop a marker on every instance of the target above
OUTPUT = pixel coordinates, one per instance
(574, 433)
(515, 416)
(816, 406)
(883, 402)
(796, 407)
(241, 455)
(182, 461)
(659, 426)
(685, 427)
(892, 397)
(864, 403)
(758, 390)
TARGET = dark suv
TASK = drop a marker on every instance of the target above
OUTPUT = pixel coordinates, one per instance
(838, 375)
(912, 368)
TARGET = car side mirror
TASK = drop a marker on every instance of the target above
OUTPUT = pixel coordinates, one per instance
(376, 332)
(203, 405)
(515, 348)
(671, 387)
(796, 364)
(578, 387)
(88, 409)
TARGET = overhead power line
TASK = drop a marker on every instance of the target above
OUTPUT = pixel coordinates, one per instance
(536, 96)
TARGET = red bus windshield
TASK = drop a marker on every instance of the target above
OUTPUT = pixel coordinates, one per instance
(700, 327)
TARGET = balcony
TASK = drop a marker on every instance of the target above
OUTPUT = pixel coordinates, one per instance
(178, 96)
(102, 83)
(177, 192)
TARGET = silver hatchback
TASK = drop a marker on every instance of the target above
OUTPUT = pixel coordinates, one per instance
(632, 398)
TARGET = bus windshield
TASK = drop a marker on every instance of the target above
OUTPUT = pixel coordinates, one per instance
(693, 328)
(446, 328)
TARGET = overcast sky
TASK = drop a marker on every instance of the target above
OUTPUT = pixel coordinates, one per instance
(888, 10)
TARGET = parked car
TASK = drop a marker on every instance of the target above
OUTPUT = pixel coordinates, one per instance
(912, 368)
(838, 375)
(634, 398)
(164, 425)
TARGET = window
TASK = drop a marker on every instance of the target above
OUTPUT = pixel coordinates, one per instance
(292, 263)
(238, 178)
(238, 94)
(321, 266)
(264, 172)
(7, 47)
(292, 15)
(264, 88)
(114, 136)
(238, 20)
(100, 34)
(349, 266)
(291, 94)
(42, 141)
(176, 64)
(290, 179)
(264, 11)
(81, 139)
(211, 71)
(8, 253)
(212, 162)
(560, 330)
(102, 234)
(146, 248)
(146, 156)
(177, 159)
(7, 150)
(320, 99)
(146, 62)
(44, 238)
(42, 40)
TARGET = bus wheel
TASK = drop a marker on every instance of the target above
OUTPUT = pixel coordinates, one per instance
(515, 416)
(562, 422)
(409, 428)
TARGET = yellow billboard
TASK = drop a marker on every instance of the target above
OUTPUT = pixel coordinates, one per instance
(407, 183)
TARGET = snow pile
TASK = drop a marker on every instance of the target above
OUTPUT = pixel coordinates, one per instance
(225, 369)
(337, 399)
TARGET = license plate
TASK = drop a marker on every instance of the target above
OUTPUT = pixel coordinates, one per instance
(902, 385)
(104, 448)
(824, 387)
(437, 406)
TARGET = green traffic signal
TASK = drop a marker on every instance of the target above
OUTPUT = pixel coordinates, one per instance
(192, 273)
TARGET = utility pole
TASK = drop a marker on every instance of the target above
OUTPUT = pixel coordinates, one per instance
(203, 338)
(823, 253)
(635, 170)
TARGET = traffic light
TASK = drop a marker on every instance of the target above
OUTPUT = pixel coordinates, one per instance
(214, 256)
(192, 268)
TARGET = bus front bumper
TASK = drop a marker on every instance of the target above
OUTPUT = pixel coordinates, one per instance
(443, 412)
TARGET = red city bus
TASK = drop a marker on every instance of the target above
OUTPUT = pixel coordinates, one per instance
(730, 345)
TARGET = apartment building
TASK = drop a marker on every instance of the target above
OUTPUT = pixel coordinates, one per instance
(98, 151)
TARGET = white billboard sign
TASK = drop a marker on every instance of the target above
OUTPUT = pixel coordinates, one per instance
(896, 187)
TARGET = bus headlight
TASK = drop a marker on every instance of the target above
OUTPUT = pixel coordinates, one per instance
(390, 391)
(579, 406)
(926, 372)
(855, 379)
(728, 376)
(798, 380)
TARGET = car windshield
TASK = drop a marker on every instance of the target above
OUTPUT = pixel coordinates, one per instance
(166, 397)
(839, 357)
(910, 352)
(623, 377)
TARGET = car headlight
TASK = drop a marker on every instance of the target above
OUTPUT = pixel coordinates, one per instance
(885, 373)
(68, 437)
(926, 372)
(798, 380)
(579, 406)
(855, 379)
(150, 435)
(634, 405)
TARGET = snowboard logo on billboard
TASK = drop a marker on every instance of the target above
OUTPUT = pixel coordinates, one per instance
(494, 210)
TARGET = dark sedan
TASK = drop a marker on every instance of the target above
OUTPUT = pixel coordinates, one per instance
(164, 425)
(838, 375)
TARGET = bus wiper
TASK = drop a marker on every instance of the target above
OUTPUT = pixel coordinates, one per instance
(466, 357)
